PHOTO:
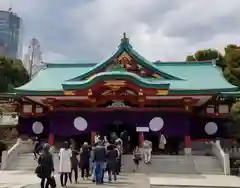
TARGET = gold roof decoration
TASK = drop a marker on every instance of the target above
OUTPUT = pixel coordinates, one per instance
(123, 56)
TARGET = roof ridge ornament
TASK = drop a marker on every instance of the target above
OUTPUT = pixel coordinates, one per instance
(124, 40)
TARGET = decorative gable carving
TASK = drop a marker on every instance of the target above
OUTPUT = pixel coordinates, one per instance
(124, 62)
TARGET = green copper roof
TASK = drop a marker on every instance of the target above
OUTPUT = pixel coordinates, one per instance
(116, 75)
(230, 94)
(179, 77)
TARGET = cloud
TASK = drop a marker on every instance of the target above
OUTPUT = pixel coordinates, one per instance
(90, 30)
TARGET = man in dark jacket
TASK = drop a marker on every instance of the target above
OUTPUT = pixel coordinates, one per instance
(99, 158)
(125, 138)
(84, 160)
(111, 158)
(37, 147)
(74, 164)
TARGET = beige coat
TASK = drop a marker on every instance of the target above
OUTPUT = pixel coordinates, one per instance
(162, 142)
(65, 160)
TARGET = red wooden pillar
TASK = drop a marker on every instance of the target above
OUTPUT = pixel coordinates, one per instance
(141, 139)
(93, 134)
(187, 145)
(51, 139)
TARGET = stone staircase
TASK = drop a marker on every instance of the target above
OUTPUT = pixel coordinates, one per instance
(173, 164)
(207, 165)
(26, 162)
(23, 162)
(163, 164)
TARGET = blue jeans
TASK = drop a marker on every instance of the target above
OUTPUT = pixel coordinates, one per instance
(93, 171)
(98, 171)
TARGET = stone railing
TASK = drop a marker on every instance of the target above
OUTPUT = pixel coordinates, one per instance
(9, 118)
(222, 157)
(19, 148)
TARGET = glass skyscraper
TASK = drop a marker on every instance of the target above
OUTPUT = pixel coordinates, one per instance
(11, 35)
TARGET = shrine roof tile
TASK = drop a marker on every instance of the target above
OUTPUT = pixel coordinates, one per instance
(115, 75)
(197, 76)
(51, 77)
(181, 76)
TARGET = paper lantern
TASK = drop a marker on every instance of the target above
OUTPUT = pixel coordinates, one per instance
(156, 124)
(211, 128)
(80, 123)
(37, 127)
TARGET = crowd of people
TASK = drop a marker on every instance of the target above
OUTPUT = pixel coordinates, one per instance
(105, 155)
(93, 162)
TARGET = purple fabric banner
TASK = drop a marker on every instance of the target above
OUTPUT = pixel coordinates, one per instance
(174, 124)
(25, 126)
(62, 123)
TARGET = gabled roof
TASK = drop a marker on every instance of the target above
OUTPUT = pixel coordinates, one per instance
(126, 47)
(180, 77)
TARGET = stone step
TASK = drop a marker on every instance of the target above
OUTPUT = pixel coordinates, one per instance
(165, 164)
(26, 162)
(170, 164)
(207, 165)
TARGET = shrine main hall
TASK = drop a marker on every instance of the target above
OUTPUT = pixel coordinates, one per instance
(126, 92)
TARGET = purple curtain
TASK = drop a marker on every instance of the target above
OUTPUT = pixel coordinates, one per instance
(62, 122)
(25, 125)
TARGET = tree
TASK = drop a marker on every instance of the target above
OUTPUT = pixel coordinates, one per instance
(234, 127)
(232, 64)
(12, 74)
(232, 73)
(206, 55)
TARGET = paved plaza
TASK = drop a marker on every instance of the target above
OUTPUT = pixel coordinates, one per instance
(17, 179)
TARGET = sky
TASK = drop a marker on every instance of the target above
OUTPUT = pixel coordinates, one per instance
(91, 30)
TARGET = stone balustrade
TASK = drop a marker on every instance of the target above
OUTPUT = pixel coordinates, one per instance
(222, 157)
(8, 119)
(19, 148)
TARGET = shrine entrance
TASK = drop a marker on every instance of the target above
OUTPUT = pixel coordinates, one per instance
(118, 127)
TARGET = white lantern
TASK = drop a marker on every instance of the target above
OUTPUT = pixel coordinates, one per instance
(37, 127)
(39, 109)
(156, 124)
(80, 123)
(27, 108)
(223, 109)
(211, 128)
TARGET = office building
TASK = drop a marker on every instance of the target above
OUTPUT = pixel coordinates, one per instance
(11, 35)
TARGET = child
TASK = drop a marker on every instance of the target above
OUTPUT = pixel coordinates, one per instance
(137, 157)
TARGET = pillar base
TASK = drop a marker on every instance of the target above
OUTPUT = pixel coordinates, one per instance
(93, 134)
(53, 149)
(141, 139)
(188, 151)
(51, 139)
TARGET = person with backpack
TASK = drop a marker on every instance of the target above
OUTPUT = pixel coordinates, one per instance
(137, 157)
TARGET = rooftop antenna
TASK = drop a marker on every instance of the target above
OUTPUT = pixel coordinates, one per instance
(125, 40)
(10, 7)
(33, 59)
(124, 35)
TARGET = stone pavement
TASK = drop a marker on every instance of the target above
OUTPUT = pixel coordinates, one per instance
(18, 179)
(124, 180)
(173, 181)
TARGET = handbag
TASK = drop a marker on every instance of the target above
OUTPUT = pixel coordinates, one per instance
(52, 182)
(38, 171)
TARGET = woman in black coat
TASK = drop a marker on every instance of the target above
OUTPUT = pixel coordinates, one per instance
(45, 167)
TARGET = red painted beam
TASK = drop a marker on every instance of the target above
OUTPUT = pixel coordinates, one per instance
(124, 108)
